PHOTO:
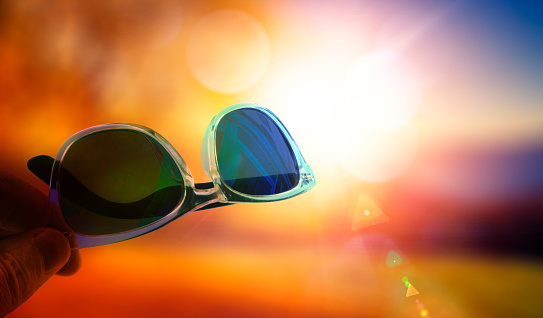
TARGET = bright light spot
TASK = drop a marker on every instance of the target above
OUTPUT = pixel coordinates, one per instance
(303, 92)
(381, 90)
(375, 155)
(228, 51)
(361, 214)
(307, 115)
(313, 107)
(393, 259)
(302, 95)
(411, 291)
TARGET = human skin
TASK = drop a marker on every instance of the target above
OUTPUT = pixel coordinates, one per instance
(34, 242)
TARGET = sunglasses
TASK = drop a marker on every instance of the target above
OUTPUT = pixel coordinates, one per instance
(114, 182)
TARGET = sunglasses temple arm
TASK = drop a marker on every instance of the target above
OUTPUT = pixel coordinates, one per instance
(41, 166)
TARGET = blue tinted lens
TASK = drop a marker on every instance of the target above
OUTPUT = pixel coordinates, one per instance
(253, 155)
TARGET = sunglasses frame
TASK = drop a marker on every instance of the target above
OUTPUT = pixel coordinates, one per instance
(193, 198)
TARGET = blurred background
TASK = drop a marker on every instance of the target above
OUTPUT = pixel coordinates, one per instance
(422, 119)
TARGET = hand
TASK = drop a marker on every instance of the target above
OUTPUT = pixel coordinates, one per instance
(32, 249)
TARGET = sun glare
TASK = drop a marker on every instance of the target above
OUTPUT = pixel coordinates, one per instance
(382, 90)
(375, 156)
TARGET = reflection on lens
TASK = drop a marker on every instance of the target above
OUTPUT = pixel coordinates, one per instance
(117, 180)
(253, 155)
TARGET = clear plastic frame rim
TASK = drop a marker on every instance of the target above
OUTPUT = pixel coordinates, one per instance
(209, 155)
(193, 198)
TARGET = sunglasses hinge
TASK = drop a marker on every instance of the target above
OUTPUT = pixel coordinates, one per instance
(307, 178)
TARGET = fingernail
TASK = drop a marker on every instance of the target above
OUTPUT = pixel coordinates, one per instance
(52, 248)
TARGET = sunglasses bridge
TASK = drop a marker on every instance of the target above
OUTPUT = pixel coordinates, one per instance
(203, 197)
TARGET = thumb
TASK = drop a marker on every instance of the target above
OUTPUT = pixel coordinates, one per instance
(27, 260)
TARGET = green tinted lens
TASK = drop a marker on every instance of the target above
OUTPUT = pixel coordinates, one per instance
(117, 180)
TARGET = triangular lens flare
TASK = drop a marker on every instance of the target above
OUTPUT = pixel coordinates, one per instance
(393, 259)
(367, 213)
(411, 291)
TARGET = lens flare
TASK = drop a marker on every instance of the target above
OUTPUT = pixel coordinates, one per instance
(366, 212)
(228, 51)
(314, 109)
(375, 155)
(382, 90)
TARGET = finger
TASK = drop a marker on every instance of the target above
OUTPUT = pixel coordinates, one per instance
(41, 166)
(28, 260)
(57, 222)
(72, 266)
(22, 207)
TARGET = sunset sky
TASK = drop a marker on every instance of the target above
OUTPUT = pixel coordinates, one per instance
(422, 120)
